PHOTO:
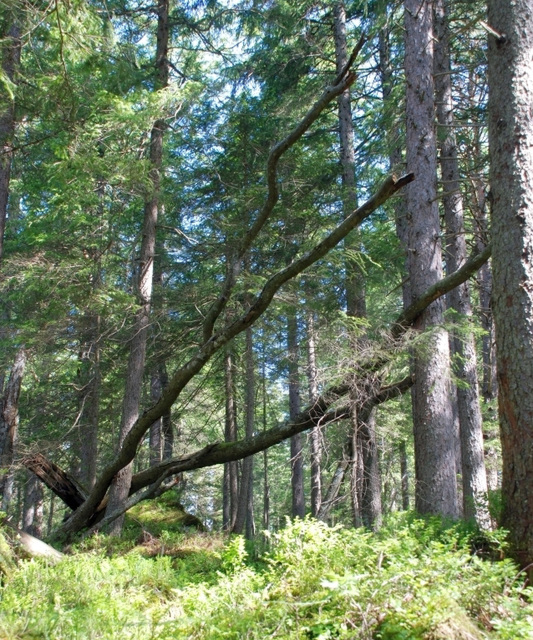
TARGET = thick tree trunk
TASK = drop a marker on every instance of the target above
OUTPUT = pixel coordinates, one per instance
(32, 517)
(436, 489)
(9, 420)
(10, 52)
(511, 179)
(132, 395)
(230, 490)
(371, 510)
(475, 506)
(297, 469)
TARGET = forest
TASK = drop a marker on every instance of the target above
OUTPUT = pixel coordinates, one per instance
(266, 319)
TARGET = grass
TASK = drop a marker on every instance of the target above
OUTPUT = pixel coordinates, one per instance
(415, 579)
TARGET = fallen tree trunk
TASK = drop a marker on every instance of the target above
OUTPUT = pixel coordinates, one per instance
(57, 480)
(31, 545)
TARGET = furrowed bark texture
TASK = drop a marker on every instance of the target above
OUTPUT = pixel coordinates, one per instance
(474, 479)
(436, 489)
(511, 178)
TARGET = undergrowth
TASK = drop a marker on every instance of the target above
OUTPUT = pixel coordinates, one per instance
(416, 579)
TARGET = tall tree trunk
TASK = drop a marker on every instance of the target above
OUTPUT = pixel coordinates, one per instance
(156, 431)
(9, 420)
(89, 399)
(266, 483)
(511, 179)
(10, 52)
(230, 491)
(316, 435)
(132, 396)
(245, 503)
(297, 470)
(404, 470)
(436, 488)
(161, 439)
(489, 386)
(474, 478)
(355, 281)
(371, 510)
(400, 211)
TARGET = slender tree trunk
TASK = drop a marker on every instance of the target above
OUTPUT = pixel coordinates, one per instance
(511, 179)
(400, 213)
(297, 470)
(161, 439)
(132, 396)
(89, 399)
(404, 469)
(436, 488)
(10, 52)
(230, 491)
(316, 435)
(489, 386)
(474, 478)
(332, 492)
(245, 520)
(9, 420)
(266, 483)
(355, 281)
(156, 431)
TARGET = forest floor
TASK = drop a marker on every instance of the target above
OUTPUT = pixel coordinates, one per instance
(165, 579)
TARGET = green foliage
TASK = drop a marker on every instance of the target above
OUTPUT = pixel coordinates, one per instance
(416, 579)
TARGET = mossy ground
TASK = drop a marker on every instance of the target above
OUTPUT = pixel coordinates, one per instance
(416, 579)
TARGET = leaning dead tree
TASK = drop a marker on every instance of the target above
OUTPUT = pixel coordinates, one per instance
(325, 410)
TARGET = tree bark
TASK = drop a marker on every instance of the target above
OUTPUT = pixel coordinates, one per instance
(244, 520)
(315, 436)
(230, 491)
(297, 470)
(10, 51)
(475, 505)
(404, 470)
(436, 489)
(9, 420)
(355, 277)
(32, 517)
(89, 399)
(511, 177)
(135, 372)
(489, 385)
